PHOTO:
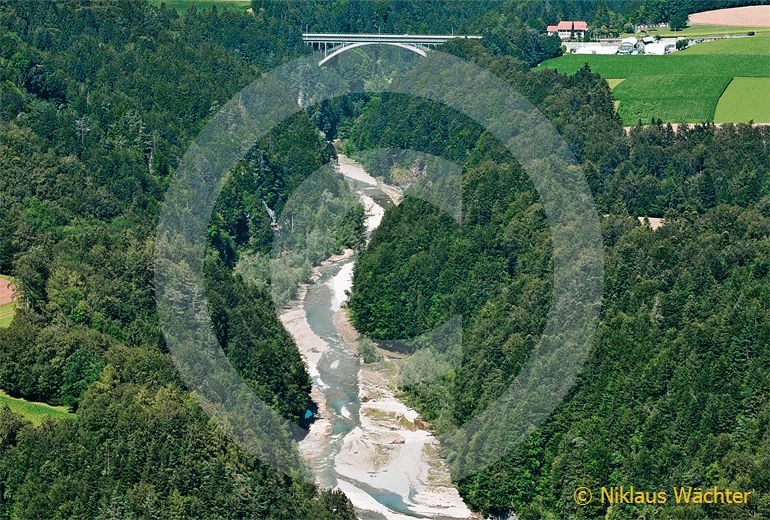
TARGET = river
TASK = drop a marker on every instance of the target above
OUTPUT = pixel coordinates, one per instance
(364, 441)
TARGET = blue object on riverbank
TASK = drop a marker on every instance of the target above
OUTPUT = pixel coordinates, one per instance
(308, 414)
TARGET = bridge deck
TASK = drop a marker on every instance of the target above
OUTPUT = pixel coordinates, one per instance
(415, 39)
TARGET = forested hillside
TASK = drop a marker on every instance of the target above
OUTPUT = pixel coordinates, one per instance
(99, 101)
(675, 391)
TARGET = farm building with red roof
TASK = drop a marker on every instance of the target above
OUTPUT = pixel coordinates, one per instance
(569, 29)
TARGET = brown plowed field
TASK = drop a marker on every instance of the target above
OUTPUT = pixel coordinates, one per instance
(6, 291)
(752, 16)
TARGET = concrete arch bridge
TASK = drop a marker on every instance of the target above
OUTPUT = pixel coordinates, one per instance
(335, 44)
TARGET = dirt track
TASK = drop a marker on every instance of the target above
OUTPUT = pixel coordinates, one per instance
(7, 290)
(752, 16)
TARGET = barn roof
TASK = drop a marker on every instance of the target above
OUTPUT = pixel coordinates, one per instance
(566, 25)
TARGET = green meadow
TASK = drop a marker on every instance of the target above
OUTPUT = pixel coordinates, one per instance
(744, 100)
(6, 314)
(749, 46)
(34, 412)
(683, 87)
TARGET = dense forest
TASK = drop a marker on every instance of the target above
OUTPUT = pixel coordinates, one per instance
(675, 388)
(512, 27)
(98, 103)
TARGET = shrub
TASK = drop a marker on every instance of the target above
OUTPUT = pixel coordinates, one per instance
(368, 352)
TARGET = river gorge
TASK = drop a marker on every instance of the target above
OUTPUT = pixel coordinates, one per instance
(364, 441)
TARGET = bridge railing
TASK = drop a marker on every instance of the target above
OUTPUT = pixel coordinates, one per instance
(435, 39)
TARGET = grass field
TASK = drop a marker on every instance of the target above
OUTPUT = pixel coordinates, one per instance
(746, 99)
(6, 314)
(695, 31)
(673, 98)
(751, 46)
(683, 87)
(182, 5)
(34, 412)
(8, 310)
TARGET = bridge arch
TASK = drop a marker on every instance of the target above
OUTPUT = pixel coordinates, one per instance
(348, 46)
